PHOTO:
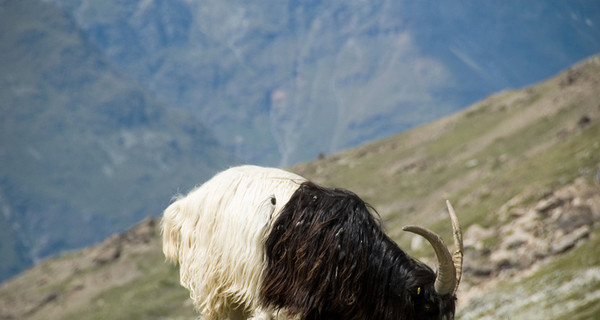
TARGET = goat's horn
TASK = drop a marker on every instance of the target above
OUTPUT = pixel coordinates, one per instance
(445, 282)
(449, 267)
(457, 256)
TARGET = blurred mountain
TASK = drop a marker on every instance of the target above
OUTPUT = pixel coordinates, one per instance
(521, 167)
(108, 108)
(280, 82)
(85, 151)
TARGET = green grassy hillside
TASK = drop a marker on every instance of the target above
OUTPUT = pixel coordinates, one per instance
(521, 168)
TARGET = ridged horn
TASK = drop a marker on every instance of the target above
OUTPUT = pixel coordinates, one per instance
(457, 256)
(449, 266)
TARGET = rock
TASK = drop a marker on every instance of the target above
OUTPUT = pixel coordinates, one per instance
(416, 243)
(479, 270)
(503, 260)
(547, 204)
(46, 299)
(107, 255)
(517, 212)
(572, 76)
(472, 163)
(475, 235)
(568, 241)
(575, 218)
(529, 222)
(584, 121)
(515, 240)
(143, 232)
(109, 250)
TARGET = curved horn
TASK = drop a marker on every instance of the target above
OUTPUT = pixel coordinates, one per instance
(449, 266)
(445, 282)
(457, 256)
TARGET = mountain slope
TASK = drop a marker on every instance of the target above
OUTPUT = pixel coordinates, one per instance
(85, 83)
(281, 82)
(85, 151)
(521, 167)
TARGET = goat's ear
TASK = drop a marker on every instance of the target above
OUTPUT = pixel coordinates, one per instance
(171, 224)
(267, 208)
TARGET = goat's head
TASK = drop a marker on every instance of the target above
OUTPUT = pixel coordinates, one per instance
(433, 296)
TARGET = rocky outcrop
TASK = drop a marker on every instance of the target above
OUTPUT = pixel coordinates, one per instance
(528, 234)
(110, 250)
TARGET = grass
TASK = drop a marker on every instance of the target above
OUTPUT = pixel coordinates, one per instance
(154, 293)
(157, 295)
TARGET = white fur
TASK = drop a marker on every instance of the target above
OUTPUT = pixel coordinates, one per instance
(216, 233)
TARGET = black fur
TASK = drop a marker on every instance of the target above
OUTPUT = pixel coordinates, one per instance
(328, 258)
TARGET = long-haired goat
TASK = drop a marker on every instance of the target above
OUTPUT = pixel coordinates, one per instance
(264, 243)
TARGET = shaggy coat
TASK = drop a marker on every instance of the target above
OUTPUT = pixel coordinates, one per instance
(216, 233)
(263, 243)
(328, 258)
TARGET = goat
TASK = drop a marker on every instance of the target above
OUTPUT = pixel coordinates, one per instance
(264, 243)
